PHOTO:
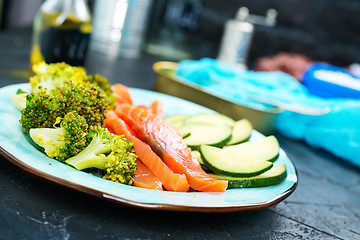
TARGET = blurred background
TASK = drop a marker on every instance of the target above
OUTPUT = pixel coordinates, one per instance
(322, 30)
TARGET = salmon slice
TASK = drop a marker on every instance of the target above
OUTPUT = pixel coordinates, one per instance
(156, 108)
(167, 143)
(144, 178)
(121, 93)
(170, 180)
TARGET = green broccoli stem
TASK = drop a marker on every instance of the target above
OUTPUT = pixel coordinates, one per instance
(93, 156)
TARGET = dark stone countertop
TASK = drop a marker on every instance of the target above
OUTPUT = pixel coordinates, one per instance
(325, 204)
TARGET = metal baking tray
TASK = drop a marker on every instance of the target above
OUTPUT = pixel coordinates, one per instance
(167, 82)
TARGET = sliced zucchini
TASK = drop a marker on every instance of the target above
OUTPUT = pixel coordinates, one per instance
(213, 118)
(241, 132)
(177, 120)
(275, 175)
(185, 135)
(205, 133)
(264, 149)
(197, 155)
(231, 163)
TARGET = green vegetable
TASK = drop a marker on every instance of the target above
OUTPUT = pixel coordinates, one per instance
(54, 75)
(263, 149)
(241, 132)
(64, 114)
(44, 107)
(83, 147)
(212, 118)
(205, 133)
(109, 152)
(64, 141)
(200, 126)
(275, 175)
(231, 163)
(103, 83)
(196, 154)
(177, 120)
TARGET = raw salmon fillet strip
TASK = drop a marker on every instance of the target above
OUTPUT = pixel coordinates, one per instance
(168, 144)
(144, 178)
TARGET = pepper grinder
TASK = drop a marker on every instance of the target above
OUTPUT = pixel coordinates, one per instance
(238, 35)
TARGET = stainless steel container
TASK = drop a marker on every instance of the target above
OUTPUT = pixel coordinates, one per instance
(119, 27)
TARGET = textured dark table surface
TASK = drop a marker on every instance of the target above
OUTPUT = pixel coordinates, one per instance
(325, 205)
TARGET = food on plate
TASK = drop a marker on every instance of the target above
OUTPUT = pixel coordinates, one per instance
(64, 114)
(55, 75)
(121, 93)
(249, 161)
(155, 108)
(109, 152)
(241, 132)
(196, 128)
(167, 142)
(170, 180)
(197, 155)
(86, 123)
(83, 148)
(44, 107)
(144, 178)
(196, 134)
(213, 118)
(103, 83)
(65, 140)
(231, 163)
(177, 120)
(266, 148)
(275, 175)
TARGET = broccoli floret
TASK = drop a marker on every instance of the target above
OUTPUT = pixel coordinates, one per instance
(109, 152)
(44, 107)
(103, 83)
(64, 141)
(54, 75)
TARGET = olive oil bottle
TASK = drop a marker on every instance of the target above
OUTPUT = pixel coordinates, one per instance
(61, 32)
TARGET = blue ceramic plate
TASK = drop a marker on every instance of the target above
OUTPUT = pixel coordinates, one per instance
(17, 149)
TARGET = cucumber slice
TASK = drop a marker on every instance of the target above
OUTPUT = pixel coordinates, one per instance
(263, 149)
(197, 155)
(231, 163)
(241, 132)
(205, 133)
(213, 118)
(275, 175)
(177, 120)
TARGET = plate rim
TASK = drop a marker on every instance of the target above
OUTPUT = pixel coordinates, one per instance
(157, 206)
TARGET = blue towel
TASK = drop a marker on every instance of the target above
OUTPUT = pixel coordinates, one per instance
(338, 131)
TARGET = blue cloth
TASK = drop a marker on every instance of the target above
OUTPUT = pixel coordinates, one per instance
(338, 131)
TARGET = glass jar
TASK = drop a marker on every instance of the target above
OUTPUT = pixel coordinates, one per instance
(61, 32)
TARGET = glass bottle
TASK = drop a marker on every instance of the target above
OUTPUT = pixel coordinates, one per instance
(61, 32)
